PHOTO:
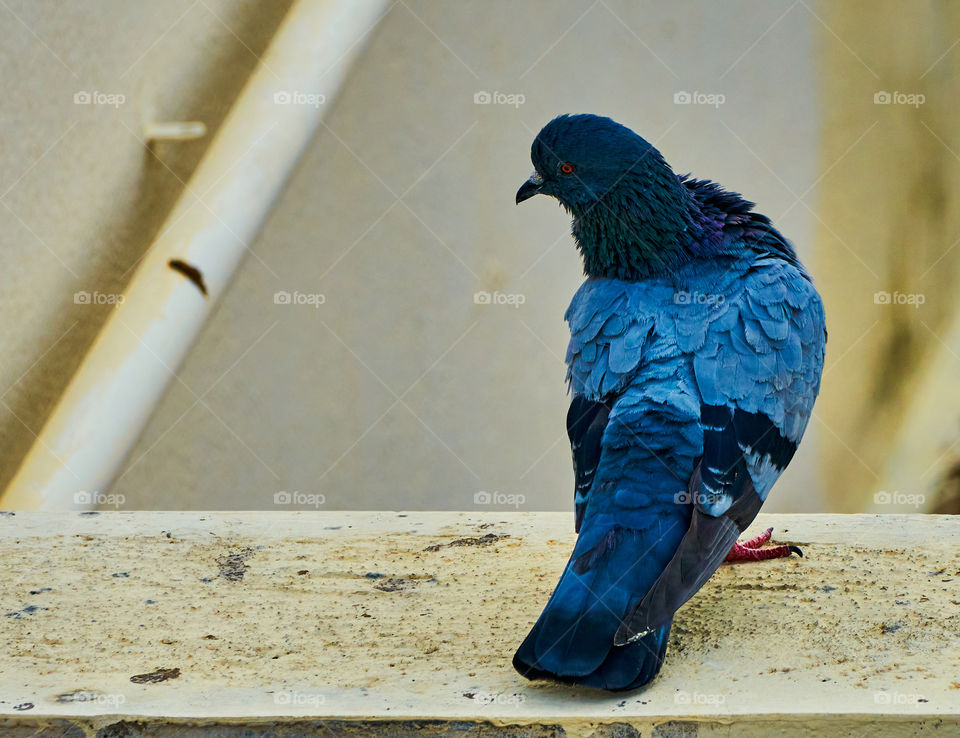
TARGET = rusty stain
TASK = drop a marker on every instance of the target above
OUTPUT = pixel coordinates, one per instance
(190, 272)
(159, 674)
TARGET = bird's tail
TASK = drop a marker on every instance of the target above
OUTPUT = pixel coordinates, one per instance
(624, 668)
(573, 639)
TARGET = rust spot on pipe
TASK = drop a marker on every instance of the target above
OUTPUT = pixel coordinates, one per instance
(190, 272)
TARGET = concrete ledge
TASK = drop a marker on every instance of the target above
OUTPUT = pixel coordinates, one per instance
(189, 624)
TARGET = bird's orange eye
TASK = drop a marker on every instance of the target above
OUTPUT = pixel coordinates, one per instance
(567, 168)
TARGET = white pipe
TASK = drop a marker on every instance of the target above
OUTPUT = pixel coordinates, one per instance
(109, 399)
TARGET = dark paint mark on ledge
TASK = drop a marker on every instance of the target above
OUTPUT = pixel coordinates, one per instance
(157, 675)
(395, 584)
(482, 541)
(28, 610)
(79, 695)
(232, 565)
(190, 272)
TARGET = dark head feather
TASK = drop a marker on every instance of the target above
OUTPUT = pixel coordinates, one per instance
(632, 215)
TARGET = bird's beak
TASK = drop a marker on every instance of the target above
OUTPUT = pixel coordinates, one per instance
(530, 188)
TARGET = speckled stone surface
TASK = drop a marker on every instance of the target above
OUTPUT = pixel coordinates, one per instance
(315, 623)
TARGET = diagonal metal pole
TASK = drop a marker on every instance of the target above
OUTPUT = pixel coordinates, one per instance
(112, 394)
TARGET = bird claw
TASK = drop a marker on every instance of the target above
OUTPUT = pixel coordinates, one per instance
(751, 550)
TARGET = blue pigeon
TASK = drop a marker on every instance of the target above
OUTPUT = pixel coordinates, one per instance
(696, 348)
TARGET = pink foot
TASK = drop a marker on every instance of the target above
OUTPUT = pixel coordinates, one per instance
(751, 551)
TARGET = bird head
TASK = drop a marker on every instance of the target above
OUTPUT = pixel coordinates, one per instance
(578, 159)
(632, 214)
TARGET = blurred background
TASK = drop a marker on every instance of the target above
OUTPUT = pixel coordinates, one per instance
(393, 337)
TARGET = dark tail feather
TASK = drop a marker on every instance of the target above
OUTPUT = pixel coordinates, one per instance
(624, 668)
(573, 639)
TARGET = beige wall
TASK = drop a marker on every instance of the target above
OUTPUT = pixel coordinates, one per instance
(305, 399)
(80, 197)
(890, 224)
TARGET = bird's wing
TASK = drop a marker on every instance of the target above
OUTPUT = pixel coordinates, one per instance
(603, 356)
(586, 421)
(758, 373)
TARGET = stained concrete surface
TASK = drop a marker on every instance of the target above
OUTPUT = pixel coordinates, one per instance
(317, 623)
